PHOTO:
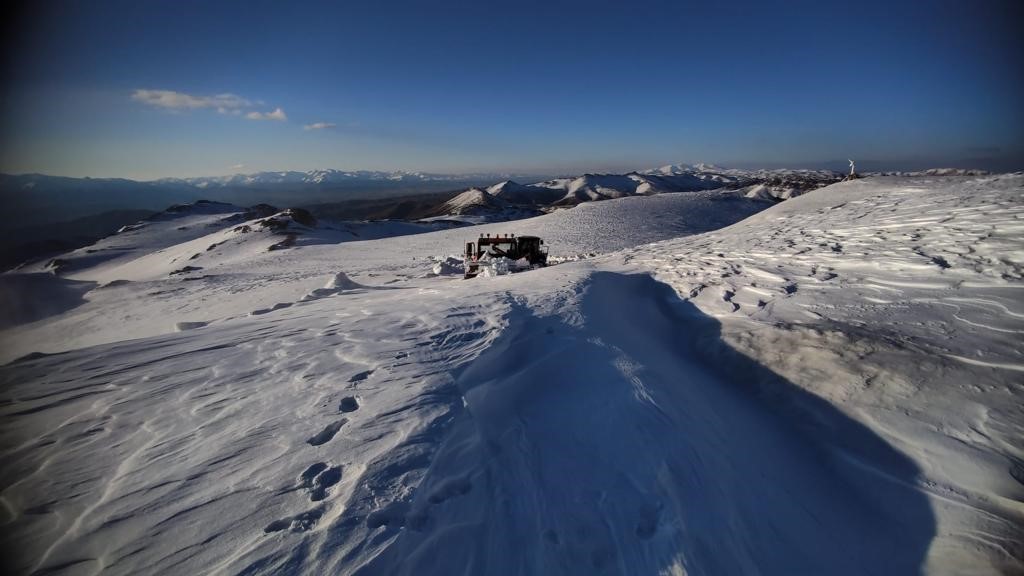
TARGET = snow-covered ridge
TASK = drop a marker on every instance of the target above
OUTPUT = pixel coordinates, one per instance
(837, 375)
(189, 239)
(499, 202)
(560, 192)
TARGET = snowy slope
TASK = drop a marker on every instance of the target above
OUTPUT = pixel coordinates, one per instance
(473, 201)
(476, 206)
(828, 386)
(899, 301)
(138, 297)
(179, 223)
(516, 193)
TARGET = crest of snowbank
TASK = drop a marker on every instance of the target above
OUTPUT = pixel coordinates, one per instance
(341, 281)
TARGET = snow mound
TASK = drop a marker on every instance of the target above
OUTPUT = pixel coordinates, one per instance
(490, 267)
(447, 266)
(338, 284)
(341, 281)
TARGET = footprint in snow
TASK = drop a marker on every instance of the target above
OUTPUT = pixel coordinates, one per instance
(298, 523)
(327, 434)
(278, 306)
(450, 489)
(306, 478)
(361, 376)
(648, 523)
(349, 404)
(323, 482)
(317, 480)
(182, 326)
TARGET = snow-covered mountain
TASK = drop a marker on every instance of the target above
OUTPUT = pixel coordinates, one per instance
(473, 201)
(478, 206)
(515, 193)
(706, 384)
(559, 192)
(321, 177)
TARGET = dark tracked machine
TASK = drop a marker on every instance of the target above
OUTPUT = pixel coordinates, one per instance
(530, 248)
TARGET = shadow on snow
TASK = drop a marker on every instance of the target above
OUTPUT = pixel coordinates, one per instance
(641, 443)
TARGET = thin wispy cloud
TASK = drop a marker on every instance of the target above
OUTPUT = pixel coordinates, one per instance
(319, 126)
(172, 100)
(276, 114)
(227, 104)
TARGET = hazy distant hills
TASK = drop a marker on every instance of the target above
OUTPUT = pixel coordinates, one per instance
(40, 199)
(322, 178)
(53, 214)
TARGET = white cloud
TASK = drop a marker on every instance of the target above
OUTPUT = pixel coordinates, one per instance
(236, 166)
(227, 103)
(319, 126)
(277, 114)
(171, 100)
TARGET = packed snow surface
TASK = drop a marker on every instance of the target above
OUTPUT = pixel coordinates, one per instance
(832, 385)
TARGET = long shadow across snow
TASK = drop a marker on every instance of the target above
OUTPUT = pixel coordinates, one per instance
(641, 443)
(26, 298)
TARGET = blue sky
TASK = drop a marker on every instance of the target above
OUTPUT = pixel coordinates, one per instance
(160, 88)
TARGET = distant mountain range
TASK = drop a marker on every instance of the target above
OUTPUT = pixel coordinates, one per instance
(40, 199)
(322, 178)
(508, 199)
(37, 199)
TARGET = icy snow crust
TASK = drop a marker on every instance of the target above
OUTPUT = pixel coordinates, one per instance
(830, 386)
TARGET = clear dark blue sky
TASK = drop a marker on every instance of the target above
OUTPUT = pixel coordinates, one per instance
(168, 88)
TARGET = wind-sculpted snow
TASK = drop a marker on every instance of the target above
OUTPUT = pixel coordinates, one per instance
(901, 301)
(226, 449)
(828, 386)
(638, 443)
